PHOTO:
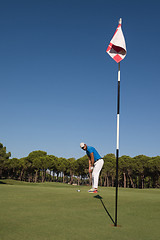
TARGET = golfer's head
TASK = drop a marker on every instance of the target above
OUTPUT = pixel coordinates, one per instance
(83, 146)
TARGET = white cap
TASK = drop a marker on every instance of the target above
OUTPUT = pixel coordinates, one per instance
(82, 145)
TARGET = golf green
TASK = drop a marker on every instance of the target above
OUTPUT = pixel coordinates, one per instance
(56, 211)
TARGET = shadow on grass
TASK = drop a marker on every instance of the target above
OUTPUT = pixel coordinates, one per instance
(100, 198)
(2, 182)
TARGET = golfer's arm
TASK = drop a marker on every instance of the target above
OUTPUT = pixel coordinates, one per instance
(89, 163)
(91, 159)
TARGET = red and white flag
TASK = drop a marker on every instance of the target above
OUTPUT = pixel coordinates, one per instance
(117, 46)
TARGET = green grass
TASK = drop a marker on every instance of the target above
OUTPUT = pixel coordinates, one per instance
(55, 211)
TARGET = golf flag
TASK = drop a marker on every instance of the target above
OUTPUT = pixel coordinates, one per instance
(117, 46)
(117, 51)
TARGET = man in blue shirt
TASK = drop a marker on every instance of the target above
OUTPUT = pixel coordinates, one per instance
(95, 165)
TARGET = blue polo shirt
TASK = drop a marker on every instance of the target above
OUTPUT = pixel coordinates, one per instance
(94, 151)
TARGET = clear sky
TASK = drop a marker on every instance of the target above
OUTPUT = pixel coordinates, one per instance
(59, 86)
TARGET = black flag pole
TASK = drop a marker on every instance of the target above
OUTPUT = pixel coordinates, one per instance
(117, 150)
(117, 50)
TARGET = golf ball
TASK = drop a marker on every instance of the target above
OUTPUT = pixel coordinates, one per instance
(78, 190)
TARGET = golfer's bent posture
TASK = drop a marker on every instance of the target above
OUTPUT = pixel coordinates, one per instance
(95, 165)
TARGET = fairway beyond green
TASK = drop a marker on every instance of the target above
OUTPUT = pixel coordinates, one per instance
(55, 211)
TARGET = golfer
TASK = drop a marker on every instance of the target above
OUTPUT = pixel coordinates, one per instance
(95, 165)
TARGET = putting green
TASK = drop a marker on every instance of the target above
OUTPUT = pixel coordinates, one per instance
(55, 211)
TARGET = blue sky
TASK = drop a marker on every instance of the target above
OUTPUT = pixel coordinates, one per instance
(59, 86)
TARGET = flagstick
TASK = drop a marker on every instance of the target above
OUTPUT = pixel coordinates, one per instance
(117, 151)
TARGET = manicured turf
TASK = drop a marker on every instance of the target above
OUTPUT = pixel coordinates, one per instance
(55, 211)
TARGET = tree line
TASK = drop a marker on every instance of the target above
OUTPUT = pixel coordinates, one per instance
(134, 172)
